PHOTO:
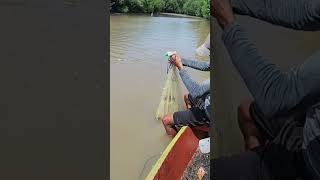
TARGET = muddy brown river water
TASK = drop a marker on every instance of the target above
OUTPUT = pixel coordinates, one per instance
(138, 70)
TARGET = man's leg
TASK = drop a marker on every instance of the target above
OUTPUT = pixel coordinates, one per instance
(243, 166)
(187, 101)
(296, 14)
(271, 162)
(190, 117)
(168, 123)
(247, 126)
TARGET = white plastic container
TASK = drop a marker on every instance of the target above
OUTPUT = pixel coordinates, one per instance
(204, 145)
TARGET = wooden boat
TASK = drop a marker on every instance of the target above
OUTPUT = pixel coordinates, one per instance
(177, 155)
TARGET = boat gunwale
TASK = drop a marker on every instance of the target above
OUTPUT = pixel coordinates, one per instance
(164, 155)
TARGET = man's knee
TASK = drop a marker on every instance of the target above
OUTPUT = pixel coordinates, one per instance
(185, 97)
(168, 119)
(246, 123)
(244, 112)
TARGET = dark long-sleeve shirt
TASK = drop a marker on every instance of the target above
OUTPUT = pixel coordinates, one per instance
(199, 65)
(195, 89)
(296, 14)
(274, 91)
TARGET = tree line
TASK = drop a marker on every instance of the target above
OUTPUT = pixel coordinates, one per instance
(200, 8)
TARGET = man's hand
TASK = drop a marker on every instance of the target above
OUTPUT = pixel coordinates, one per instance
(222, 10)
(176, 60)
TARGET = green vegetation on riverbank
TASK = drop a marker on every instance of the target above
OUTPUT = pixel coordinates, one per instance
(200, 8)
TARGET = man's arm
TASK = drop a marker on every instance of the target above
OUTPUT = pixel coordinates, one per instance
(296, 14)
(195, 90)
(199, 65)
(273, 90)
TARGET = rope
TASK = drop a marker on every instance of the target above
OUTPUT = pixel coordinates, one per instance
(145, 163)
(169, 66)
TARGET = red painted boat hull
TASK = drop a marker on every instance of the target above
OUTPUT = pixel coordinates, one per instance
(180, 153)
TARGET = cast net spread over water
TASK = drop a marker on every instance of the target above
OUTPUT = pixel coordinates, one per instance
(171, 98)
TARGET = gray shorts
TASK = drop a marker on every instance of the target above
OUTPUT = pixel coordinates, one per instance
(190, 117)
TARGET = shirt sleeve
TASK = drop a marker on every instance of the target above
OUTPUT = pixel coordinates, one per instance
(195, 90)
(273, 91)
(199, 65)
(296, 14)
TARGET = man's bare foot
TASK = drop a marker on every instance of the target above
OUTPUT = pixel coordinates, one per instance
(167, 121)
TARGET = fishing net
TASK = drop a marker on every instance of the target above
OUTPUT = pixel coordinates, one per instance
(171, 98)
(203, 50)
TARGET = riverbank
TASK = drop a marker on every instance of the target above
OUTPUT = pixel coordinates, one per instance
(178, 15)
(160, 15)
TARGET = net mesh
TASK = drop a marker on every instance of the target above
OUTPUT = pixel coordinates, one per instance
(203, 50)
(171, 98)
